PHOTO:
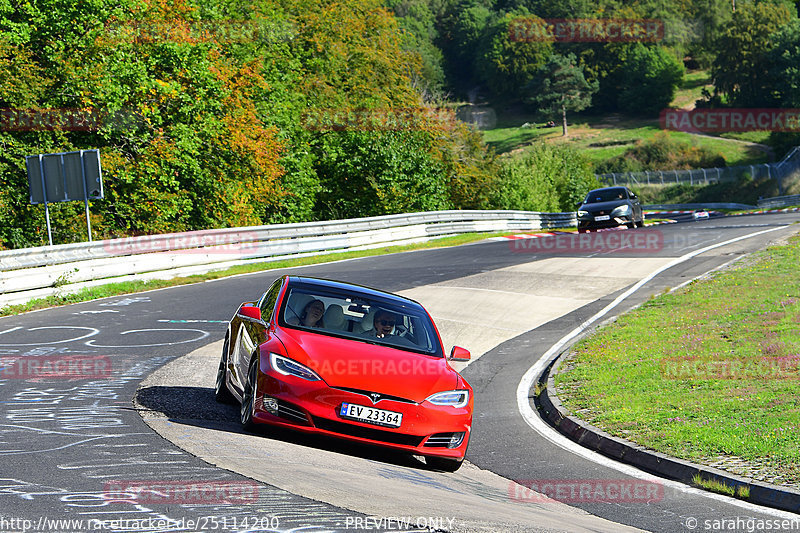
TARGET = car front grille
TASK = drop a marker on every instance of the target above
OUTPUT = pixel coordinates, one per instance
(368, 393)
(366, 433)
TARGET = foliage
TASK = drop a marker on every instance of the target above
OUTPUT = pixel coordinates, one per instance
(650, 78)
(393, 172)
(739, 69)
(462, 24)
(550, 178)
(783, 81)
(207, 112)
(743, 191)
(506, 63)
(663, 152)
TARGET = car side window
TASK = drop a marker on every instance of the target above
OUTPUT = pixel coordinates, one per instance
(267, 303)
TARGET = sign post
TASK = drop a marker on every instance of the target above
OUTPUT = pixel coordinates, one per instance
(65, 177)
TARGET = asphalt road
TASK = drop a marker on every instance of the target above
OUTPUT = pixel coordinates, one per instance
(67, 444)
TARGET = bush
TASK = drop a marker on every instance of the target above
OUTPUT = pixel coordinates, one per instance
(663, 152)
(548, 179)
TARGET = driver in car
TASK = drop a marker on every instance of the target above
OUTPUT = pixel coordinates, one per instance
(382, 324)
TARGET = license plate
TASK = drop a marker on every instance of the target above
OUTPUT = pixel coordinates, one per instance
(602, 217)
(370, 415)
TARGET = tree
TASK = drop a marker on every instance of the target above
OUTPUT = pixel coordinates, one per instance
(561, 85)
(783, 66)
(650, 77)
(740, 70)
(461, 27)
(783, 77)
(509, 59)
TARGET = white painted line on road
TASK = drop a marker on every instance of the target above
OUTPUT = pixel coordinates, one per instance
(541, 427)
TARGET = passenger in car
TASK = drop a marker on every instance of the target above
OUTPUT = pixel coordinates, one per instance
(311, 317)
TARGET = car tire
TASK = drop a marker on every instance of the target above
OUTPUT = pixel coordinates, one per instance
(582, 230)
(249, 396)
(444, 464)
(221, 392)
(631, 225)
(640, 224)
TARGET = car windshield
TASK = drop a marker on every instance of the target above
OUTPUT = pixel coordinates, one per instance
(605, 195)
(361, 317)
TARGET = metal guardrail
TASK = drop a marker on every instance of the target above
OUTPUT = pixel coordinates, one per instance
(779, 201)
(43, 271)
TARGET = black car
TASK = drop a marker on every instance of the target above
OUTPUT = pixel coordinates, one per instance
(608, 208)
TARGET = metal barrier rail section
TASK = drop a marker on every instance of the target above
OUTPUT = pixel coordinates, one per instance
(43, 271)
(779, 201)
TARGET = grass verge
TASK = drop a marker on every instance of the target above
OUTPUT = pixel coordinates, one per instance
(114, 289)
(602, 137)
(710, 373)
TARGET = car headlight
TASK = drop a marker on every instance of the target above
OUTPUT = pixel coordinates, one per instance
(582, 213)
(623, 210)
(453, 398)
(289, 367)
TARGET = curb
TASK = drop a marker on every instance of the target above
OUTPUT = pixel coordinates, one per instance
(588, 436)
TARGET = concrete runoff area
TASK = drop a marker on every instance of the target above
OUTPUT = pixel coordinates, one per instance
(481, 311)
(470, 500)
(477, 312)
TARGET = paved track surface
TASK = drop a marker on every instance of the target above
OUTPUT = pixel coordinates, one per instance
(66, 444)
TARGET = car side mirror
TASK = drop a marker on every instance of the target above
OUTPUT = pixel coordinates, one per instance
(251, 311)
(459, 354)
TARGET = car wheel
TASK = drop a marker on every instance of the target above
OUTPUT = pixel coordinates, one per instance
(641, 222)
(443, 463)
(582, 230)
(631, 225)
(249, 396)
(221, 392)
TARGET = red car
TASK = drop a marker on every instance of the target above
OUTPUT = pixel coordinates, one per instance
(348, 361)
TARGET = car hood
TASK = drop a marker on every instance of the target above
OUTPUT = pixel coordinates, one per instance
(352, 364)
(602, 206)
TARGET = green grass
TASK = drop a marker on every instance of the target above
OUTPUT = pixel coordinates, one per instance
(599, 142)
(601, 137)
(740, 491)
(511, 138)
(114, 289)
(760, 137)
(708, 372)
(691, 89)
